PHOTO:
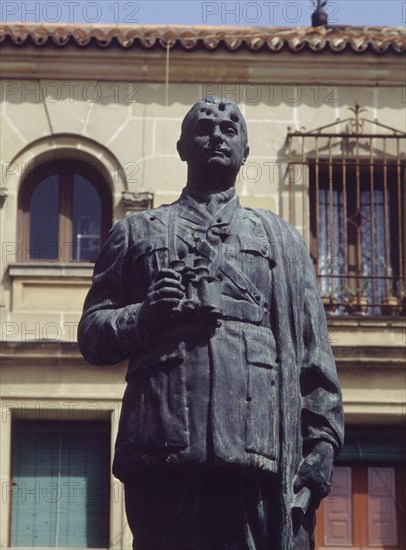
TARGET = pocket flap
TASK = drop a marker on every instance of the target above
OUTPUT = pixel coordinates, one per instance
(260, 346)
(148, 245)
(259, 248)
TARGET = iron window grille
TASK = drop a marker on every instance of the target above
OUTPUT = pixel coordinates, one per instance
(345, 191)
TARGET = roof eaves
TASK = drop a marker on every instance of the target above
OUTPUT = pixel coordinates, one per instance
(335, 39)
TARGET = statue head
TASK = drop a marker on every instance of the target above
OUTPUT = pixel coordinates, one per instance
(213, 142)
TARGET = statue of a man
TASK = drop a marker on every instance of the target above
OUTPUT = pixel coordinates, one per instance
(232, 415)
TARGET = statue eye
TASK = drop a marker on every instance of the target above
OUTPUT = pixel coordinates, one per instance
(203, 128)
(230, 130)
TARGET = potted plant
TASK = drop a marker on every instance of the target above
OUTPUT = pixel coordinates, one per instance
(356, 299)
(330, 295)
(330, 302)
(391, 304)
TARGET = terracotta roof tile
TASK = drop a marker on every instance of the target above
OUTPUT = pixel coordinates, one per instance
(330, 38)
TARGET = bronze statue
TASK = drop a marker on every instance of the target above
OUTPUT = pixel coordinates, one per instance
(232, 415)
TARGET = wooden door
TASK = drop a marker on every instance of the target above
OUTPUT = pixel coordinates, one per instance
(365, 510)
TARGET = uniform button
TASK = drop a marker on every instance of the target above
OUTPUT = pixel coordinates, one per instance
(264, 250)
(152, 218)
(218, 220)
(181, 254)
(249, 399)
(259, 231)
(218, 323)
(257, 297)
(149, 248)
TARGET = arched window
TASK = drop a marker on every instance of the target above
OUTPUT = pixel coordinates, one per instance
(66, 212)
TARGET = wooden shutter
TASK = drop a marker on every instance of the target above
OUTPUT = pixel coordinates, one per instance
(61, 484)
(364, 508)
(382, 524)
(376, 444)
(338, 510)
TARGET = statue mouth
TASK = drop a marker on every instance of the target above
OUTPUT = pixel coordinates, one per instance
(221, 152)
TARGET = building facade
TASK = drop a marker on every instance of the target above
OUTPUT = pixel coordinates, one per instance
(90, 119)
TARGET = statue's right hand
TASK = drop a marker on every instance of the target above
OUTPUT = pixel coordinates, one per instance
(163, 296)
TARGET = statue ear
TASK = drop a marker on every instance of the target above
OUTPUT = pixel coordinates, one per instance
(181, 150)
(246, 153)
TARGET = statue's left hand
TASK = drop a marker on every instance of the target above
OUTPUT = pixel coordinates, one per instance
(315, 472)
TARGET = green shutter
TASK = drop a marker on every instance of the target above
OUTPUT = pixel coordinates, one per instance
(373, 444)
(61, 484)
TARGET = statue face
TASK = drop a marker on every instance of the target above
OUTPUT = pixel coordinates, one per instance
(215, 138)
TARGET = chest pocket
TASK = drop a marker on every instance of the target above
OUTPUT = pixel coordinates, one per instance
(256, 263)
(254, 251)
(262, 420)
(148, 257)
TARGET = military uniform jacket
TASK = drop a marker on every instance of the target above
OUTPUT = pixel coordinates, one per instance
(255, 389)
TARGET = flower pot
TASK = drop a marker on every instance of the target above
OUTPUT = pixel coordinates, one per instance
(330, 304)
(391, 305)
(359, 305)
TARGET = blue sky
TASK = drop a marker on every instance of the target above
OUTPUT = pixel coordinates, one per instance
(197, 12)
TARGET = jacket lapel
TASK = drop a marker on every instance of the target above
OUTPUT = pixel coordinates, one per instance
(190, 210)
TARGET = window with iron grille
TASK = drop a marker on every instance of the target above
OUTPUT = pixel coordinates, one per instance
(346, 192)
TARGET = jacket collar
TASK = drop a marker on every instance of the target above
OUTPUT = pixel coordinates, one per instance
(193, 207)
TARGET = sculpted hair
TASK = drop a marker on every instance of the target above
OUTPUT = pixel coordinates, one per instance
(221, 104)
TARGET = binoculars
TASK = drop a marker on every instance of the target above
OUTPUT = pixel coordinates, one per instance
(202, 290)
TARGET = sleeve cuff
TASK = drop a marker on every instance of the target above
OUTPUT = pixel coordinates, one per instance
(130, 332)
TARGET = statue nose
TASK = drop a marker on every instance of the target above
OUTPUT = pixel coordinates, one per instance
(217, 134)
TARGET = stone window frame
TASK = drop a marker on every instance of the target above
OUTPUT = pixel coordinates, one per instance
(29, 184)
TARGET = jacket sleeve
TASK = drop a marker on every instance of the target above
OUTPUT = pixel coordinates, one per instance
(322, 409)
(111, 328)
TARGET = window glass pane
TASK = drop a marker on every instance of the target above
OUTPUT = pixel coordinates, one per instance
(44, 208)
(331, 239)
(356, 234)
(60, 484)
(86, 220)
